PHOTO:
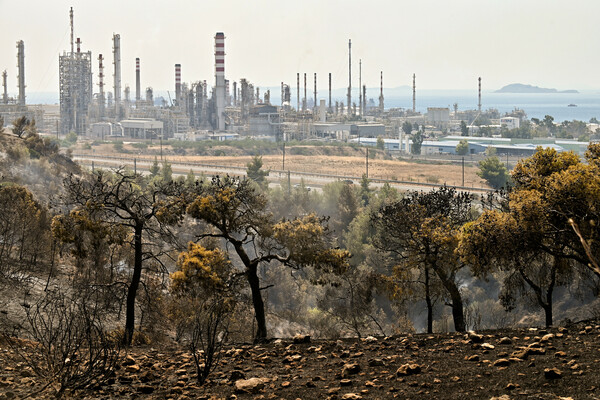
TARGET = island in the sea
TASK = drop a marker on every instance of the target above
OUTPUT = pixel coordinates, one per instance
(520, 88)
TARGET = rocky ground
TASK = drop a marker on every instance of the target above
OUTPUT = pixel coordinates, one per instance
(558, 363)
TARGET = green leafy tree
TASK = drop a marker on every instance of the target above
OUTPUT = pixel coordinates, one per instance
(417, 141)
(237, 213)
(154, 168)
(380, 143)
(71, 138)
(166, 172)
(255, 172)
(494, 172)
(462, 148)
(464, 129)
(407, 127)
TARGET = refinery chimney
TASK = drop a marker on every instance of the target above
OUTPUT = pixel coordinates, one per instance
(21, 69)
(479, 103)
(298, 91)
(315, 97)
(5, 94)
(414, 93)
(117, 73)
(381, 93)
(138, 89)
(330, 109)
(360, 102)
(101, 85)
(349, 76)
(177, 84)
(305, 100)
(220, 79)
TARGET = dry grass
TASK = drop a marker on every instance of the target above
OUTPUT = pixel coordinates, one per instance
(349, 165)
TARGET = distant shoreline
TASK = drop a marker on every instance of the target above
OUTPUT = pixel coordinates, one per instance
(515, 88)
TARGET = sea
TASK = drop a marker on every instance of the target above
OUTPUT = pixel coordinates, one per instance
(536, 105)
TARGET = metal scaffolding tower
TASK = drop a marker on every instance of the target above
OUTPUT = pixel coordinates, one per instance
(75, 87)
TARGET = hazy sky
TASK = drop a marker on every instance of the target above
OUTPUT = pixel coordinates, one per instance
(448, 44)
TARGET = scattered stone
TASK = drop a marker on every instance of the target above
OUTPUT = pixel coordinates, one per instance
(351, 396)
(299, 338)
(128, 361)
(475, 337)
(408, 369)
(236, 376)
(501, 362)
(511, 386)
(547, 337)
(145, 389)
(285, 384)
(350, 369)
(487, 346)
(505, 340)
(252, 385)
(552, 373)
(560, 354)
(132, 368)
(370, 339)
(473, 357)
(503, 397)
(345, 382)
(376, 362)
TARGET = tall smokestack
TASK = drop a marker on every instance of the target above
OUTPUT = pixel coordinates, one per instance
(138, 88)
(298, 91)
(360, 102)
(349, 76)
(220, 79)
(101, 85)
(177, 84)
(5, 93)
(330, 109)
(315, 97)
(414, 93)
(234, 93)
(78, 45)
(381, 94)
(305, 99)
(479, 103)
(117, 73)
(364, 97)
(281, 94)
(72, 35)
(21, 68)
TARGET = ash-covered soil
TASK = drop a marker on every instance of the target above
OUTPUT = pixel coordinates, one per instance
(556, 363)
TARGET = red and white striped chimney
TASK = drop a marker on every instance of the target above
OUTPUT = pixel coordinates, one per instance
(78, 45)
(220, 79)
(220, 54)
(177, 82)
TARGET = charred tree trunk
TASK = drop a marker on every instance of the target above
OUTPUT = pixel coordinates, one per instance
(429, 302)
(133, 286)
(259, 306)
(457, 304)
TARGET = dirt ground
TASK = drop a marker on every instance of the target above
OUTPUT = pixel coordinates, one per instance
(345, 161)
(559, 363)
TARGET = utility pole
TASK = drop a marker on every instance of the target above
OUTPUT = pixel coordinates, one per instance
(463, 171)
(283, 162)
(135, 166)
(367, 160)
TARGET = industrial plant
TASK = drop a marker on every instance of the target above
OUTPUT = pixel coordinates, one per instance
(222, 108)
